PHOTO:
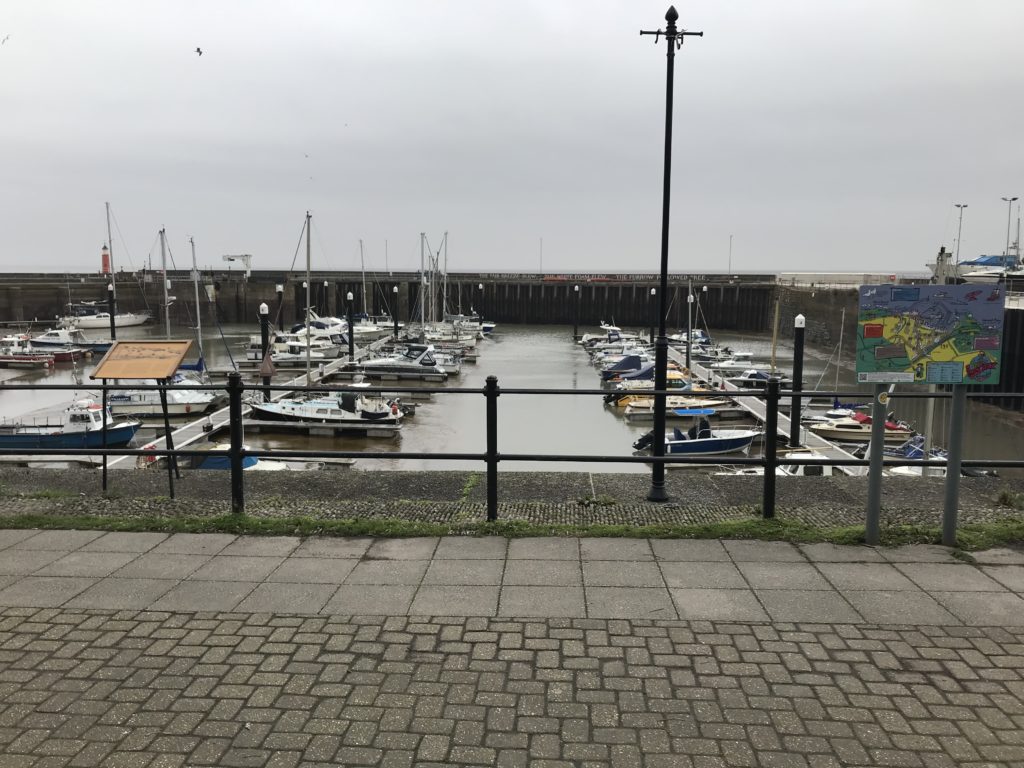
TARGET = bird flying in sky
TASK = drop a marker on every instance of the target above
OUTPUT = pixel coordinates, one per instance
(199, 51)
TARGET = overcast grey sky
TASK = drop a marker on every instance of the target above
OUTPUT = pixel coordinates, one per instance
(830, 134)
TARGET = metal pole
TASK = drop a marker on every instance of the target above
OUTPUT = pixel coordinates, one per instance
(1009, 215)
(796, 405)
(654, 291)
(959, 229)
(394, 310)
(491, 393)
(111, 309)
(953, 459)
(103, 383)
(876, 452)
(264, 345)
(689, 322)
(576, 314)
(235, 458)
(351, 331)
(771, 434)
(163, 272)
(172, 462)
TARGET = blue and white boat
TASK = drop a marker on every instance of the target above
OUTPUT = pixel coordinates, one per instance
(81, 426)
(701, 439)
(69, 337)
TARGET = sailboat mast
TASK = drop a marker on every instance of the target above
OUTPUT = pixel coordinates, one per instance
(110, 256)
(309, 282)
(199, 311)
(163, 272)
(444, 295)
(839, 352)
(423, 298)
(775, 332)
(362, 268)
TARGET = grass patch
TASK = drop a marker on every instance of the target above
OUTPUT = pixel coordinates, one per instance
(467, 487)
(601, 500)
(971, 537)
(1007, 498)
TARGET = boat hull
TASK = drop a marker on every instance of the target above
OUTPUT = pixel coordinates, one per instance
(857, 436)
(26, 438)
(734, 441)
(268, 412)
(121, 320)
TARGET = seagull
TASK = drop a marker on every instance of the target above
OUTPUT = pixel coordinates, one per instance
(5, 40)
(199, 51)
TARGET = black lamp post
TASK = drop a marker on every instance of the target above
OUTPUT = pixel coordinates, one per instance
(279, 289)
(394, 311)
(351, 330)
(651, 313)
(480, 311)
(673, 38)
(327, 304)
(576, 314)
(799, 324)
(264, 344)
(111, 310)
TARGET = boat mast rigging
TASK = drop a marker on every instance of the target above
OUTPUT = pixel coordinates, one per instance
(199, 310)
(110, 256)
(163, 273)
(309, 379)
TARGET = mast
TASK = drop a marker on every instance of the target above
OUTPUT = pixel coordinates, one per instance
(444, 295)
(309, 380)
(775, 332)
(199, 311)
(362, 267)
(163, 271)
(386, 267)
(423, 298)
(839, 353)
(110, 255)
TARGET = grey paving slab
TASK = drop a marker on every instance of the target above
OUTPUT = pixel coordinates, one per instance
(402, 549)
(466, 572)
(877, 576)
(801, 605)
(715, 575)
(333, 547)
(618, 573)
(900, 607)
(43, 591)
(11, 536)
(529, 602)
(986, 609)
(204, 596)
(313, 570)
(629, 603)
(615, 549)
(6, 581)
(64, 540)
(1010, 576)
(702, 550)
(194, 543)
(287, 598)
(16, 562)
(388, 572)
(764, 551)
(83, 563)
(718, 605)
(455, 601)
(566, 573)
(782, 575)
(1000, 556)
(953, 578)
(835, 553)
(370, 600)
(117, 541)
(919, 553)
(544, 548)
(471, 548)
(114, 593)
(235, 568)
(262, 546)
(154, 565)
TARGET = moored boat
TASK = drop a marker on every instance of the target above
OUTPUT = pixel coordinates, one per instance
(856, 428)
(80, 426)
(701, 439)
(342, 409)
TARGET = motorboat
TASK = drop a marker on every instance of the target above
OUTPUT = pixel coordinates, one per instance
(757, 378)
(790, 470)
(69, 337)
(642, 408)
(80, 426)
(341, 409)
(146, 402)
(251, 463)
(412, 360)
(856, 428)
(701, 439)
(15, 356)
(740, 361)
(21, 343)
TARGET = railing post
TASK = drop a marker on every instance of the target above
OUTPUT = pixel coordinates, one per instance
(235, 452)
(953, 460)
(771, 434)
(876, 455)
(491, 393)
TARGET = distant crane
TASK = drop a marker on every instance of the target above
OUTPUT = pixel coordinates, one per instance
(245, 258)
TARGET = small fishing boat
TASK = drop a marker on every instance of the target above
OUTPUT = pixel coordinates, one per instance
(21, 343)
(413, 360)
(16, 357)
(856, 428)
(81, 426)
(340, 409)
(701, 439)
(642, 408)
(755, 378)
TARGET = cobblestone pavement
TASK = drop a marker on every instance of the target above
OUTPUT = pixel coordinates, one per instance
(116, 650)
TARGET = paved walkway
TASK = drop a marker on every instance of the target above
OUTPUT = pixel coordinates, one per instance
(147, 650)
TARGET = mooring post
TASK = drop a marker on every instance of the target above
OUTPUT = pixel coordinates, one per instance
(953, 461)
(796, 405)
(491, 393)
(771, 431)
(172, 462)
(111, 310)
(103, 383)
(264, 344)
(235, 458)
(876, 453)
(351, 330)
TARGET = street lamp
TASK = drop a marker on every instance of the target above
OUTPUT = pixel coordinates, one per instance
(111, 310)
(394, 310)
(651, 313)
(327, 304)
(576, 314)
(1009, 212)
(689, 327)
(959, 229)
(673, 37)
(480, 312)
(351, 330)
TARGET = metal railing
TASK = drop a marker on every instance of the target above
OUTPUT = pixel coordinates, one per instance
(491, 457)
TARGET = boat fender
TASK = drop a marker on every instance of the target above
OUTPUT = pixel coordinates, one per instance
(394, 409)
(188, 408)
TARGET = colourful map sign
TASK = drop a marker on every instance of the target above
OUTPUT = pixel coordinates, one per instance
(930, 334)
